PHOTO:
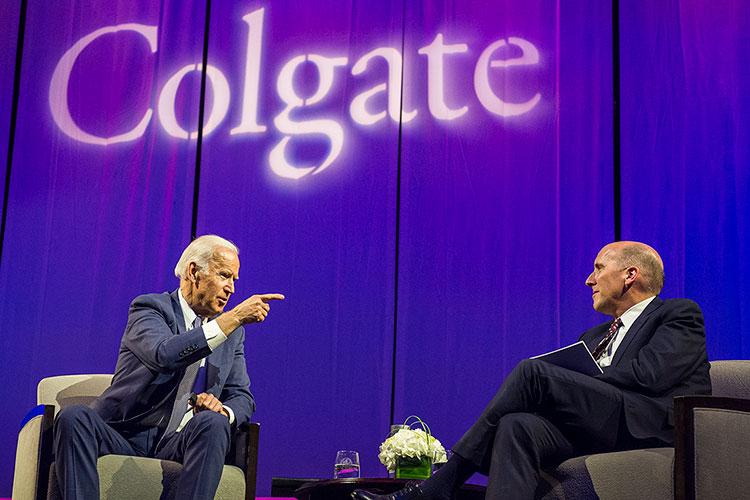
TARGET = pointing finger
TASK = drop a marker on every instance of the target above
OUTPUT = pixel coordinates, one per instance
(265, 297)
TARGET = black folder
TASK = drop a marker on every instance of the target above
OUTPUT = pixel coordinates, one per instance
(576, 357)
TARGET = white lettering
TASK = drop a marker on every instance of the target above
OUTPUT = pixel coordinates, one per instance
(219, 109)
(249, 122)
(491, 102)
(58, 89)
(384, 98)
(436, 76)
(279, 163)
(358, 107)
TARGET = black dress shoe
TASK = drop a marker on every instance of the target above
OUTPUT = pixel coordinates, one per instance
(411, 492)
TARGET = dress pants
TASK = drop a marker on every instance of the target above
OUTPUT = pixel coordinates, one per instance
(541, 415)
(81, 437)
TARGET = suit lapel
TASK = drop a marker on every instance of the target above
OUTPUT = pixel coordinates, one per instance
(214, 363)
(179, 318)
(213, 360)
(594, 339)
(634, 330)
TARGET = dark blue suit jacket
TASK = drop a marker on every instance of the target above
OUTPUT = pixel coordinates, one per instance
(154, 352)
(663, 355)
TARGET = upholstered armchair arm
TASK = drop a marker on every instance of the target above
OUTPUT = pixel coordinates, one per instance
(244, 454)
(34, 454)
(712, 447)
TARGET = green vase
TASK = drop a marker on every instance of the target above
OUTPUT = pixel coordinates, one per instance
(413, 468)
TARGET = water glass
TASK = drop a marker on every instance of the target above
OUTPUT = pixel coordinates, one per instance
(347, 464)
(436, 466)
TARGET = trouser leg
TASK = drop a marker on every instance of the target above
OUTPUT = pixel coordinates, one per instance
(579, 406)
(522, 444)
(80, 438)
(201, 447)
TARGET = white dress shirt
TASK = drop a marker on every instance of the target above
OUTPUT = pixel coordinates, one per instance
(214, 337)
(627, 318)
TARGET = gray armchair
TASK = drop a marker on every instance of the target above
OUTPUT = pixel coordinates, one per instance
(701, 431)
(120, 477)
(712, 439)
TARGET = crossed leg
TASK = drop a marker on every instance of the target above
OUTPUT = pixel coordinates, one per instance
(541, 415)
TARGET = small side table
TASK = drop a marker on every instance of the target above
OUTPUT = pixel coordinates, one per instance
(341, 489)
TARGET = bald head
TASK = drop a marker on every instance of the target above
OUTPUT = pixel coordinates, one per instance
(645, 259)
(625, 273)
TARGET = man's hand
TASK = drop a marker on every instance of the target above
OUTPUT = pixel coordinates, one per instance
(206, 401)
(254, 309)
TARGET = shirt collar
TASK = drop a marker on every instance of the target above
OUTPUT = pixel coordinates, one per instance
(629, 316)
(187, 311)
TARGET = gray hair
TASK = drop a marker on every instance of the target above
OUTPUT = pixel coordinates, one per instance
(200, 251)
(647, 260)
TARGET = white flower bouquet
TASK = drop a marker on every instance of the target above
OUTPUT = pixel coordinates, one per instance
(411, 446)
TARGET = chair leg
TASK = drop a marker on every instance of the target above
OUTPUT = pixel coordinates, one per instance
(251, 464)
(46, 452)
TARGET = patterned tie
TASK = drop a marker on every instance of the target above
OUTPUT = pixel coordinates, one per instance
(604, 344)
(183, 391)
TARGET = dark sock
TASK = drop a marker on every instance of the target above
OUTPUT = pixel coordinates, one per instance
(448, 478)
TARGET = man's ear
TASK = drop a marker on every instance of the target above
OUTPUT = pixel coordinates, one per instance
(192, 272)
(631, 275)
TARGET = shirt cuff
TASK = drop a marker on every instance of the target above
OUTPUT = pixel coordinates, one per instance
(231, 414)
(214, 336)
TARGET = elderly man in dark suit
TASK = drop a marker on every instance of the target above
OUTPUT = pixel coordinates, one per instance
(543, 414)
(180, 384)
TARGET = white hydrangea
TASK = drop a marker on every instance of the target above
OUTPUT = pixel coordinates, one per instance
(410, 443)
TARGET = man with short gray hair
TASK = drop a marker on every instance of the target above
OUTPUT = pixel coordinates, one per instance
(543, 414)
(180, 385)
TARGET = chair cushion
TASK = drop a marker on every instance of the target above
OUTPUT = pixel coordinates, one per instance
(618, 475)
(731, 378)
(124, 477)
(722, 452)
(67, 390)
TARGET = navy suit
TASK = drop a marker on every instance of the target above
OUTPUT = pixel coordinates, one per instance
(130, 417)
(543, 414)
(662, 356)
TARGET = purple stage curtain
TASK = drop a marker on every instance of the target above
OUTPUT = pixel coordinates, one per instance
(321, 363)
(10, 11)
(686, 147)
(90, 226)
(430, 179)
(501, 216)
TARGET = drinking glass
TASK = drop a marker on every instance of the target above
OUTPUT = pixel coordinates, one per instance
(347, 464)
(436, 466)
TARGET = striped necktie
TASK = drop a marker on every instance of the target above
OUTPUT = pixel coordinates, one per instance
(601, 349)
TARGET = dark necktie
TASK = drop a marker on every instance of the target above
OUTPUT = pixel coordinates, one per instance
(200, 379)
(608, 338)
(183, 391)
(200, 385)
